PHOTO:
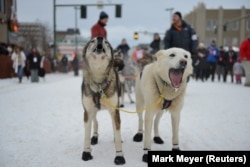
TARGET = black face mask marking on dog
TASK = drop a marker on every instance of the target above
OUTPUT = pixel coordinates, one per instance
(99, 47)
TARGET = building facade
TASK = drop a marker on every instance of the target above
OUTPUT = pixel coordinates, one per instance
(32, 35)
(70, 41)
(60, 35)
(225, 26)
(7, 13)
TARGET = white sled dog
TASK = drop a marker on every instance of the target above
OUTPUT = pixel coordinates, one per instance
(100, 80)
(162, 85)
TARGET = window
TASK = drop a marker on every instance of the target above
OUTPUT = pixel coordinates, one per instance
(248, 24)
(226, 26)
(235, 25)
(211, 25)
(235, 41)
(2, 6)
(208, 25)
(226, 41)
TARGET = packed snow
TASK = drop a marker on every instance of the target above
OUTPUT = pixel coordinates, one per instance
(41, 124)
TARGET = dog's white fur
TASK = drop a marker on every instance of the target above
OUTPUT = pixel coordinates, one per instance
(98, 69)
(150, 86)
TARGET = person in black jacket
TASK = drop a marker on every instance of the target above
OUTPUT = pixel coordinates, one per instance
(123, 47)
(221, 63)
(75, 64)
(34, 60)
(230, 59)
(156, 43)
(181, 35)
(201, 62)
(64, 61)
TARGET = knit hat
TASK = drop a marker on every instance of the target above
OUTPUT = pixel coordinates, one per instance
(103, 15)
(178, 14)
(201, 45)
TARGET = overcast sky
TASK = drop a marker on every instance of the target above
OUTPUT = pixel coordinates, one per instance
(137, 15)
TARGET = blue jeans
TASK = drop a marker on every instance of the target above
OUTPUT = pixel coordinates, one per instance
(20, 72)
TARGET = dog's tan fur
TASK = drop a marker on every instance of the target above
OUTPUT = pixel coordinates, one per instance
(154, 82)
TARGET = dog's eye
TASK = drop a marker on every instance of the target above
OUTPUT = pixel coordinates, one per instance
(172, 55)
(186, 56)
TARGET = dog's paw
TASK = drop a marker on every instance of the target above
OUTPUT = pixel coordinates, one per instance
(94, 140)
(86, 156)
(145, 158)
(119, 160)
(138, 137)
(176, 149)
(158, 140)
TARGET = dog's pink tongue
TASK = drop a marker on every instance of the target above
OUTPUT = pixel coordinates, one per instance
(176, 79)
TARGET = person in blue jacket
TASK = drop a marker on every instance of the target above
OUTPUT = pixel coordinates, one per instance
(212, 58)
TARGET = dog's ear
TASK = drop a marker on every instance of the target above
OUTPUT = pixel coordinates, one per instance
(85, 50)
(159, 54)
(112, 57)
(84, 53)
(111, 48)
(119, 51)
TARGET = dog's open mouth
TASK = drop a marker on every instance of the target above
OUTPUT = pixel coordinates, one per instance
(175, 76)
(99, 49)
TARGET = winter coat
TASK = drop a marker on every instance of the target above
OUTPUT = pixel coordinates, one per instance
(237, 68)
(138, 54)
(124, 48)
(34, 60)
(213, 54)
(185, 39)
(201, 58)
(18, 59)
(75, 63)
(64, 60)
(129, 69)
(230, 59)
(98, 30)
(155, 45)
(245, 50)
(221, 58)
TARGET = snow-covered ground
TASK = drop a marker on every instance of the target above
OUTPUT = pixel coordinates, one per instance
(41, 124)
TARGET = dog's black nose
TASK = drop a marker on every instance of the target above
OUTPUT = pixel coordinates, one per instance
(99, 40)
(99, 43)
(183, 63)
(99, 46)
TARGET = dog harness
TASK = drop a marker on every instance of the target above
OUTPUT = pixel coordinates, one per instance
(102, 89)
(97, 95)
(166, 103)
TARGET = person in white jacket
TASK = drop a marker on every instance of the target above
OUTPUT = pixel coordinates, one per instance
(238, 71)
(18, 58)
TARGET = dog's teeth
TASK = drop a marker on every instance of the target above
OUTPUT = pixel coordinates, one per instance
(175, 89)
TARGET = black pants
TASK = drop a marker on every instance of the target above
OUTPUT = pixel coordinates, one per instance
(228, 70)
(201, 74)
(212, 69)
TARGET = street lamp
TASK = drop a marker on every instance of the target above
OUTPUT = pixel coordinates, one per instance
(76, 32)
(171, 12)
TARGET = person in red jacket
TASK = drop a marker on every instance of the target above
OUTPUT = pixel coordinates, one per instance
(245, 58)
(98, 30)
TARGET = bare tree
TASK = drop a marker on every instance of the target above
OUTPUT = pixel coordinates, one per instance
(36, 35)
